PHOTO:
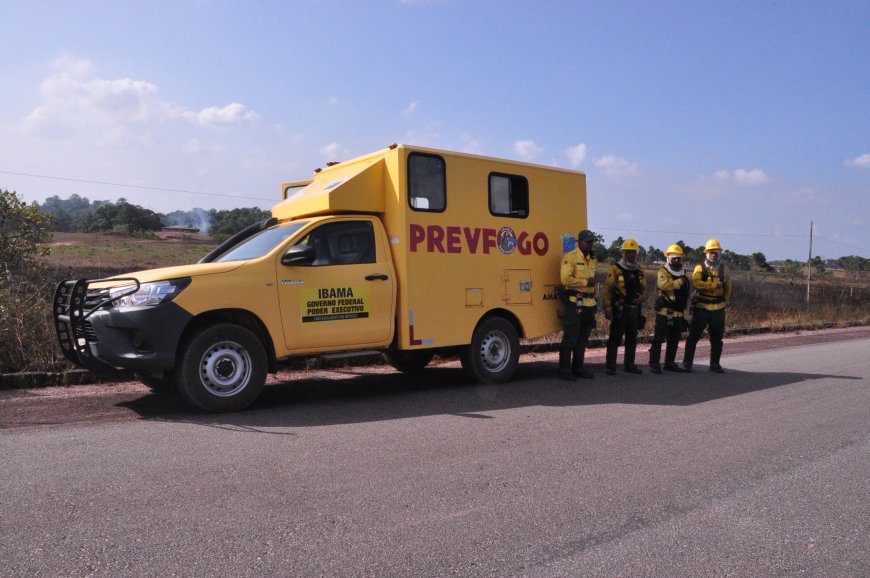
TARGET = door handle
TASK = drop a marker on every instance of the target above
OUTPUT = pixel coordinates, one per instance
(376, 278)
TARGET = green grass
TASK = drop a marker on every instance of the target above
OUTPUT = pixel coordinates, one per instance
(92, 255)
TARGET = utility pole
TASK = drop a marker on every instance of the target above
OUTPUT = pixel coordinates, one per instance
(810, 264)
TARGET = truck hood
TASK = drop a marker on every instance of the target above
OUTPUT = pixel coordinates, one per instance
(194, 270)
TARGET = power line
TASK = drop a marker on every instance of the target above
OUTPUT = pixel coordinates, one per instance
(707, 234)
(725, 235)
(840, 243)
(166, 190)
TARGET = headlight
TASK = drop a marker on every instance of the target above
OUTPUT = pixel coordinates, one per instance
(148, 293)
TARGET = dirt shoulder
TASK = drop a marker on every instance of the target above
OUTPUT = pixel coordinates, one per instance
(130, 400)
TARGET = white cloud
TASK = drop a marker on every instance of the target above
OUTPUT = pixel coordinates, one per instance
(334, 152)
(624, 217)
(74, 101)
(613, 166)
(527, 150)
(147, 139)
(576, 154)
(860, 161)
(411, 108)
(230, 114)
(331, 101)
(195, 146)
(470, 144)
(751, 177)
(803, 196)
(742, 177)
(428, 135)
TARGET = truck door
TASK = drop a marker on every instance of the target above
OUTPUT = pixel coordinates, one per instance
(345, 297)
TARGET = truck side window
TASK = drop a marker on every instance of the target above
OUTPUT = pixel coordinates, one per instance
(427, 182)
(508, 195)
(345, 243)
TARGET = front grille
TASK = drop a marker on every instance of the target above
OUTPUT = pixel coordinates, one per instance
(87, 331)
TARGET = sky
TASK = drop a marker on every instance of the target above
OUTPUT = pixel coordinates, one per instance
(744, 121)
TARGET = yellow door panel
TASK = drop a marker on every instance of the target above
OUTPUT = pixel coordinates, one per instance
(344, 298)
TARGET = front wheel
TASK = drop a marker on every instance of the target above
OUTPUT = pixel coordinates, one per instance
(494, 352)
(222, 368)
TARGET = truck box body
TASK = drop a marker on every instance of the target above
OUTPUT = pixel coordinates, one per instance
(458, 261)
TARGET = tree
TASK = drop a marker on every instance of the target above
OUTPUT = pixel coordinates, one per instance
(854, 263)
(614, 252)
(737, 261)
(228, 222)
(759, 261)
(68, 214)
(654, 254)
(24, 230)
(123, 217)
(792, 269)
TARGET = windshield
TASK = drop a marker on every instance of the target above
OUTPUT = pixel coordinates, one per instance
(261, 243)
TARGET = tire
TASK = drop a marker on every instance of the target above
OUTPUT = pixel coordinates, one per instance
(222, 368)
(412, 361)
(155, 383)
(494, 352)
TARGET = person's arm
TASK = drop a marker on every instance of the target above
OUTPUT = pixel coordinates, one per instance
(727, 285)
(610, 290)
(667, 283)
(642, 295)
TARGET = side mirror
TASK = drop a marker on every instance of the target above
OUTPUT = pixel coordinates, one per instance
(299, 255)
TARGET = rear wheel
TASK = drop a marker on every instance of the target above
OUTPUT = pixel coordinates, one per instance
(409, 361)
(222, 368)
(494, 352)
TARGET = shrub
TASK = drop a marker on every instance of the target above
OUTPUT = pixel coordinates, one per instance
(26, 328)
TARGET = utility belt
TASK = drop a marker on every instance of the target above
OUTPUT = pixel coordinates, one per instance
(620, 308)
(669, 312)
(710, 306)
(675, 319)
(583, 298)
(709, 300)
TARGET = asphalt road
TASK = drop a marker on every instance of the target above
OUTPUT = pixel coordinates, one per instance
(762, 471)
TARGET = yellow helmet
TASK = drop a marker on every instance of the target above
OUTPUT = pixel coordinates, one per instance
(674, 250)
(712, 245)
(630, 245)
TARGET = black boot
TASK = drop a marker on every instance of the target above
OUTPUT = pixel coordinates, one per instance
(565, 365)
(689, 354)
(655, 355)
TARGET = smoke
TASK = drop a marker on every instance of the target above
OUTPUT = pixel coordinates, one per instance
(196, 218)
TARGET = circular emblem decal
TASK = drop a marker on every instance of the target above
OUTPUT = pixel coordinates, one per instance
(507, 240)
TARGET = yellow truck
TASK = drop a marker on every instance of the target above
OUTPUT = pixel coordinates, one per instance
(410, 251)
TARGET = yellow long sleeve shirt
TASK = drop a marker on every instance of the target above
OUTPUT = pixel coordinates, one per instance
(616, 289)
(578, 276)
(709, 294)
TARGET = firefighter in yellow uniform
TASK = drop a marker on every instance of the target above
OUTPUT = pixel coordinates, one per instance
(623, 295)
(712, 284)
(578, 278)
(670, 306)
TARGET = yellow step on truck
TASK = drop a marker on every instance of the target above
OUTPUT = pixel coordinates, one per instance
(408, 250)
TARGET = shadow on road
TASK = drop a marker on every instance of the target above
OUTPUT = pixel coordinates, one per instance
(357, 397)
